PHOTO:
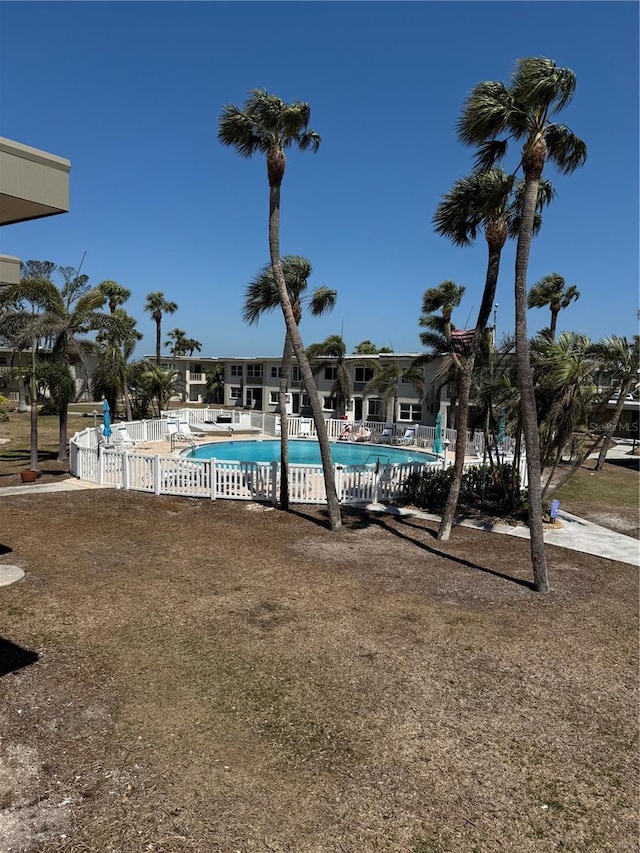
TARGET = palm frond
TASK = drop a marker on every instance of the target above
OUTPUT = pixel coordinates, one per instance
(489, 153)
(564, 148)
(486, 113)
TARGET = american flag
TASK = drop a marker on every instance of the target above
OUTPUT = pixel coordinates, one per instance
(461, 340)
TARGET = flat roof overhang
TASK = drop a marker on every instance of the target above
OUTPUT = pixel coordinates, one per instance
(33, 183)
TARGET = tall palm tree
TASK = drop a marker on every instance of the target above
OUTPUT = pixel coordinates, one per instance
(158, 306)
(262, 296)
(523, 111)
(176, 342)
(481, 201)
(269, 126)
(552, 291)
(115, 294)
(332, 353)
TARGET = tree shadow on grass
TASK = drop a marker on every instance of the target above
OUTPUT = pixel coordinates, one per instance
(359, 519)
(14, 657)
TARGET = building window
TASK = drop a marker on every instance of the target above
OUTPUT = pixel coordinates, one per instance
(236, 369)
(276, 372)
(329, 403)
(273, 398)
(295, 373)
(254, 371)
(330, 374)
(305, 401)
(195, 368)
(364, 374)
(235, 393)
(375, 409)
(410, 412)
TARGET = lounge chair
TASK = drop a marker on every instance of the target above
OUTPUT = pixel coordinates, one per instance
(385, 437)
(409, 436)
(304, 427)
(185, 430)
(361, 434)
(121, 438)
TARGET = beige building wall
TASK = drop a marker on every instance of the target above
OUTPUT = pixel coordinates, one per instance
(33, 183)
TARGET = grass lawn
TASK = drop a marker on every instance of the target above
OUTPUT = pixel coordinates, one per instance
(184, 675)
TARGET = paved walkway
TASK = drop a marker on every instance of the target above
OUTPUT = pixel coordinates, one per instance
(576, 534)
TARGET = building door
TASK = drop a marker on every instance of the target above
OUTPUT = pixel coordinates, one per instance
(357, 408)
(295, 402)
(253, 398)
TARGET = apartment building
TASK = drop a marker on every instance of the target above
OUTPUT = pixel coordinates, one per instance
(253, 383)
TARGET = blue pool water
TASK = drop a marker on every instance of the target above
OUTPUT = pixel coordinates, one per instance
(307, 452)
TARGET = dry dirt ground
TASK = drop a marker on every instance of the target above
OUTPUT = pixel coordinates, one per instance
(182, 675)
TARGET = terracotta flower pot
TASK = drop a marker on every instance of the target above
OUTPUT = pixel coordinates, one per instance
(29, 476)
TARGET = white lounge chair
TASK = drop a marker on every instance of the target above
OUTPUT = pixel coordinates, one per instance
(121, 438)
(409, 436)
(304, 427)
(361, 434)
(385, 437)
(185, 429)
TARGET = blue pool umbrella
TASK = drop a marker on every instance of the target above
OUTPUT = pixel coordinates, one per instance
(437, 439)
(106, 419)
(501, 434)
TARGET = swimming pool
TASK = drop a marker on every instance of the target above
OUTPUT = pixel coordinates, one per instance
(308, 453)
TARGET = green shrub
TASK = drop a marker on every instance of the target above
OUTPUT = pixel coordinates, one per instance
(494, 488)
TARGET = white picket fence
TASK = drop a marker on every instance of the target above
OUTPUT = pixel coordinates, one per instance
(253, 481)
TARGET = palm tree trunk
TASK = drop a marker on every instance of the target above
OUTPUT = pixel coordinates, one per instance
(63, 419)
(333, 506)
(525, 377)
(496, 236)
(462, 421)
(158, 341)
(554, 323)
(127, 400)
(33, 392)
(284, 423)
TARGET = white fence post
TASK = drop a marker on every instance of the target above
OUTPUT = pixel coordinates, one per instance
(337, 473)
(212, 479)
(125, 471)
(156, 474)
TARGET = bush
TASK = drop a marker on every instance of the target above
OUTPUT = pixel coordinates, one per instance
(495, 488)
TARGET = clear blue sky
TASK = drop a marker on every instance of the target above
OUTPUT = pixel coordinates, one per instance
(131, 94)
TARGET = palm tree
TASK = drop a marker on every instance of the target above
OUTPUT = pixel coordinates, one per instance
(158, 306)
(366, 348)
(621, 358)
(215, 384)
(117, 339)
(176, 342)
(332, 353)
(59, 315)
(159, 384)
(481, 201)
(551, 291)
(261, 297)
(444, 298)
(114, 293)
(565, 393)
(269, 126)
(523, 111)
(387, 377)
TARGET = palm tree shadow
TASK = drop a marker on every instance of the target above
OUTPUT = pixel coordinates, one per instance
(14, 657)
(460, 561)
